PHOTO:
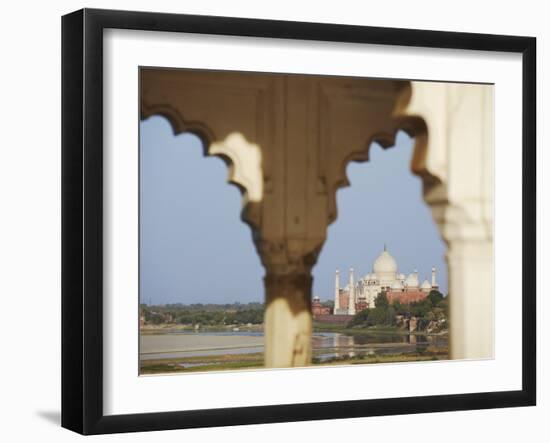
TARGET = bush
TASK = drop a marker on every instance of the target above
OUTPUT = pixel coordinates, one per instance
(360, 319)
(377, 316)
(434, 307)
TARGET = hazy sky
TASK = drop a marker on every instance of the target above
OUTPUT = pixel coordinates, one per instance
(194, 247)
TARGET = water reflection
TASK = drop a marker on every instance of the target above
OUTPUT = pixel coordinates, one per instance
(326, 345)
(330, 345)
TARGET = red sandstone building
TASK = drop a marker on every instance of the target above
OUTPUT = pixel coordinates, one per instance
(318, 309)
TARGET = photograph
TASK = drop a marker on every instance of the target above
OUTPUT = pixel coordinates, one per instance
(277, 221)
(274, 222)
(291, 220)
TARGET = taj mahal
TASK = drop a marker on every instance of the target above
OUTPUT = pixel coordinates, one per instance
(356, 296)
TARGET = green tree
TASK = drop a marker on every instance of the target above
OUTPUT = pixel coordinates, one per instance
(444, 305)
(420, 308)
(390, 315)
(435, 297)
(381, 301)
(360, 319)
(377, 316)
(400, 308)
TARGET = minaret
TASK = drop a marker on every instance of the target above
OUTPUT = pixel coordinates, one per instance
(351, 303)
(337, 292)
(434, 284)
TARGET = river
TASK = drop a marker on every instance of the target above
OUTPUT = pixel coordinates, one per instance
(326, 345)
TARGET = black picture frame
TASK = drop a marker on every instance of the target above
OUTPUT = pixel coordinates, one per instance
(82, 218)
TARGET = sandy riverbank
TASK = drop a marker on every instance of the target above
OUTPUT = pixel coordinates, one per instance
(180, 343)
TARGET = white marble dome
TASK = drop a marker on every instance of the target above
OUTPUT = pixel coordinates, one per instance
(412, 281)
(426, 285)
(385, 264)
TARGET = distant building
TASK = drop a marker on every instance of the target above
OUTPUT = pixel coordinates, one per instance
(356, 296)
(318, 309)
(324, 314)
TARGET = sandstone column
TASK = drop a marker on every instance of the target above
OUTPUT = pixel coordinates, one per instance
(454, 151)
(351, 304)
(288, 322)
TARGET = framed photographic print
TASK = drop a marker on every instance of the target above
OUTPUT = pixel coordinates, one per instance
(269, 221)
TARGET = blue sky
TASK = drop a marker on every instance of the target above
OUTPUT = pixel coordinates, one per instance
(194, 247)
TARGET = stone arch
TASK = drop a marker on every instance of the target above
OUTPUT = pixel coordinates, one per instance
(234, 151)
(454, 149)
(385, 139)
(287, 139)
(452, 124)
(178, 122)
(193, 246)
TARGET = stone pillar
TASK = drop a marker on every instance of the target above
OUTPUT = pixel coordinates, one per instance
(434, 283)
(472, 317)
(288, 322)
(337, 292)
(453, 125)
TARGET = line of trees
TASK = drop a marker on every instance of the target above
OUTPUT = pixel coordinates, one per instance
(208, 314)
(435, 307)
(236, 306)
